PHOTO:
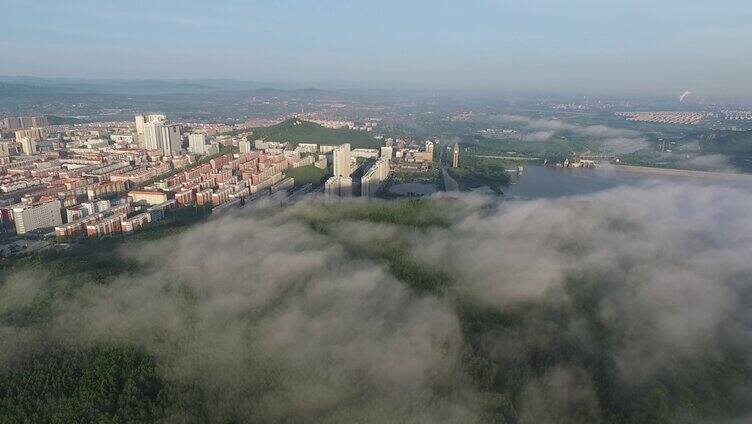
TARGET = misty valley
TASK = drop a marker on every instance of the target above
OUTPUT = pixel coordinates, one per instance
(376, 212)
(621, 306)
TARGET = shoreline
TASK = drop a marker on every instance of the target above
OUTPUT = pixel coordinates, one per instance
(673, 172)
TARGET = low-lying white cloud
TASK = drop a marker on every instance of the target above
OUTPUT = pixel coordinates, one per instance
(538, 136)
(283, 322)
(612, 140)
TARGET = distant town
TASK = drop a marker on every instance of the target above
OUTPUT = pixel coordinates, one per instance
(91, 180)
(116, 170)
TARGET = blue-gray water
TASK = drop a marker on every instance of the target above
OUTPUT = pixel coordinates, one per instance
(548, 182)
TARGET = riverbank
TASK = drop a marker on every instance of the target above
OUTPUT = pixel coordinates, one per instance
(672, 172)
(538, 182)
(512, 158)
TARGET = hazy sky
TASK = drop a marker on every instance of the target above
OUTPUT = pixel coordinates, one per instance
(661, 46)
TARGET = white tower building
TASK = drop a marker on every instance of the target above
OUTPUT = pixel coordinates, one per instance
(341, 161)
(197, 143)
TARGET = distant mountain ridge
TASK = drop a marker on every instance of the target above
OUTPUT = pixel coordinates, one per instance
(15, 89)
(24, 85)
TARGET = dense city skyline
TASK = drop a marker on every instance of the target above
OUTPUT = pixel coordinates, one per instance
(585, 46)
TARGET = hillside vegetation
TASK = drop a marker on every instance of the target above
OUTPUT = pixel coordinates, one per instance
(726, 142)
(297, 131)
(476, 172)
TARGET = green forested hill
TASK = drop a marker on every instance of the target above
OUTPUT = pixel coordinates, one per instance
(62, 120)
(726, 142)
(299, 131)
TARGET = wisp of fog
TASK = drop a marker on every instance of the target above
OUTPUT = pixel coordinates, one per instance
(549, 310)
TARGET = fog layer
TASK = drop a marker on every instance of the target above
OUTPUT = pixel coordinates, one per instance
(548, 311)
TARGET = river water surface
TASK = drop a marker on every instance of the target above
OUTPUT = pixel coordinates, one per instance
(547, 182)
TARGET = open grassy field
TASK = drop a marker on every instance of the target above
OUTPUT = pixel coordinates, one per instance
(306, 174)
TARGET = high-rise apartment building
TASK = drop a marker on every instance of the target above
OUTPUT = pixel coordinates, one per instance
(150, 138)
(22, 122)
(244, 146)
(341, 161)
(171, 142)
(142, 120)
(29, 146)
(455, 155)
(29, 139)
(33, 133)
(4, 149)
(374, 177)
(386, 152)
(338, 186)
(39, 121)
(26, 121)
(12, 123)
(29, 217)
(164, 137)
(197, 143)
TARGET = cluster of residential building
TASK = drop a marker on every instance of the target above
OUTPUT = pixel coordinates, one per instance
(12, 123)
(501, 133)
(680, 118)
(369, 125)
(351, 178)
(97, 179)
(108, 216)
(737, 115)
(407, 150)
(220, 180)
(71, 178)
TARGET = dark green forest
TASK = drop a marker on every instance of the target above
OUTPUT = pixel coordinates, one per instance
(475, 172)
(299, 131)
(118, 382)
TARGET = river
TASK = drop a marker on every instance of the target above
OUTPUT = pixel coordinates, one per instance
(547, 182)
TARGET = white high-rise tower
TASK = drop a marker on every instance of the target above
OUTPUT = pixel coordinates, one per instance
(158, 136)
(197, 143)
(142, 120)
(341, 161)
